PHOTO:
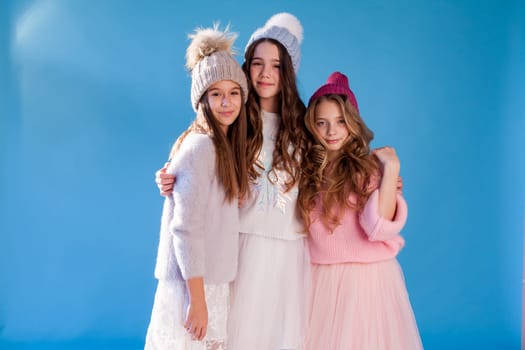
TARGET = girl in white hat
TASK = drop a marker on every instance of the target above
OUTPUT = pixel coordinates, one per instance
(269, 294)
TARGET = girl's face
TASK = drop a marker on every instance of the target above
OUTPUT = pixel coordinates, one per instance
(225, 100)
(265, 73)
(330, 126)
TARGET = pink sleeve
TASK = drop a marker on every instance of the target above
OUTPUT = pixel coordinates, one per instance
(378, 228)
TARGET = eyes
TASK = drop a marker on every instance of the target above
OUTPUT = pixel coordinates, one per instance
(220, 94)
(259, 63)
(321, 123)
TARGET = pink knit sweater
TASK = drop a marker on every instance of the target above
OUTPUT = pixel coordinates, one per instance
(362, 237)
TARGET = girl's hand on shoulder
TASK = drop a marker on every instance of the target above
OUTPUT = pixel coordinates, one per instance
(164, 181)
(197, 319)
(399, 185)
(388, 158)
(242, 200)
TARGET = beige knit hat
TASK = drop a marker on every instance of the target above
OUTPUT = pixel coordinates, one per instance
(210, 59)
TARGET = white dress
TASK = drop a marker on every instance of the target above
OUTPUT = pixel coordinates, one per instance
(269, 294)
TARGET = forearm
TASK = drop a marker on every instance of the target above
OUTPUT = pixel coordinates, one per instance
(195, 287)
(388, 192)
(196, 321)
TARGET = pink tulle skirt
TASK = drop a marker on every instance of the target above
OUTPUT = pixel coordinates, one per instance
(361, 307)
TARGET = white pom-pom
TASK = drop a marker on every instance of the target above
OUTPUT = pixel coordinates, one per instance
(289, 22)
(206, 41)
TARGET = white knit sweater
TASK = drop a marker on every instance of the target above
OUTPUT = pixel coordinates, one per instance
(270, 211)
(199, 229)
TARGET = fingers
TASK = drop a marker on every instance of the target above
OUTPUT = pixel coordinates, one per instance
(158, 175)
(196, 331)
(386, 154)
(162, 172)
(384, 149)
(196, 324)
(240, 202)
(201, 334)
(399, 185)
(164, 181)
(166, 187)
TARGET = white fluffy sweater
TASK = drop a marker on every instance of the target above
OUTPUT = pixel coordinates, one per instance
(199, 229)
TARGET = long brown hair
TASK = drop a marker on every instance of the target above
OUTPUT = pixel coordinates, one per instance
(350, 172)
(231, 166)
(291, 129)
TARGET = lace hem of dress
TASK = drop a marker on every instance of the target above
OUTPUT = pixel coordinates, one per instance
(166, 329)
(216, 345)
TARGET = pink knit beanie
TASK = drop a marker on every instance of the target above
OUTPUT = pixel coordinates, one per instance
(337, 83)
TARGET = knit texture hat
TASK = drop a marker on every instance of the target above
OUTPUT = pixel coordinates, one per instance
(286, 29)
(337, 83)
(210, 59)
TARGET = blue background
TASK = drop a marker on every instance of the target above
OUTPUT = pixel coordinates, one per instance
(93, 93)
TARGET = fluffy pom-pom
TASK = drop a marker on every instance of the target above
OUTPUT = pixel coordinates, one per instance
(289, 22)
(206, 41)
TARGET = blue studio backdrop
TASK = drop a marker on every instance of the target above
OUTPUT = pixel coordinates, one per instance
(93, 93)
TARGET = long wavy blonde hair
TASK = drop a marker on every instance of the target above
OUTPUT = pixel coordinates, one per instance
(290, 141)
(349, 172)
(231, 165)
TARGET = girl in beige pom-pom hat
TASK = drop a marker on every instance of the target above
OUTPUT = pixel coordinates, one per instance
(198, 247)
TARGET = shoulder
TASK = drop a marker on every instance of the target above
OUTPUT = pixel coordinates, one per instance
(198, 144)
(195, 149)
(195, 142)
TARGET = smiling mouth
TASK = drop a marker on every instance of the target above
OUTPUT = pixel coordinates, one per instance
(332, 141)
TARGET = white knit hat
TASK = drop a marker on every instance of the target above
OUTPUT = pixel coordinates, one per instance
(210, 59)
(286, 29)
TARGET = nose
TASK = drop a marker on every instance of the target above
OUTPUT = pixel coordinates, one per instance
(224, 101)
(331, 129)
(266, 70)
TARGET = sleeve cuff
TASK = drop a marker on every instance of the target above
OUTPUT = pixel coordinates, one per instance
(190, 258)
(378, 228)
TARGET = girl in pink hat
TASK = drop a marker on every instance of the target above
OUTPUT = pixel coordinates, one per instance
(352, 206)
